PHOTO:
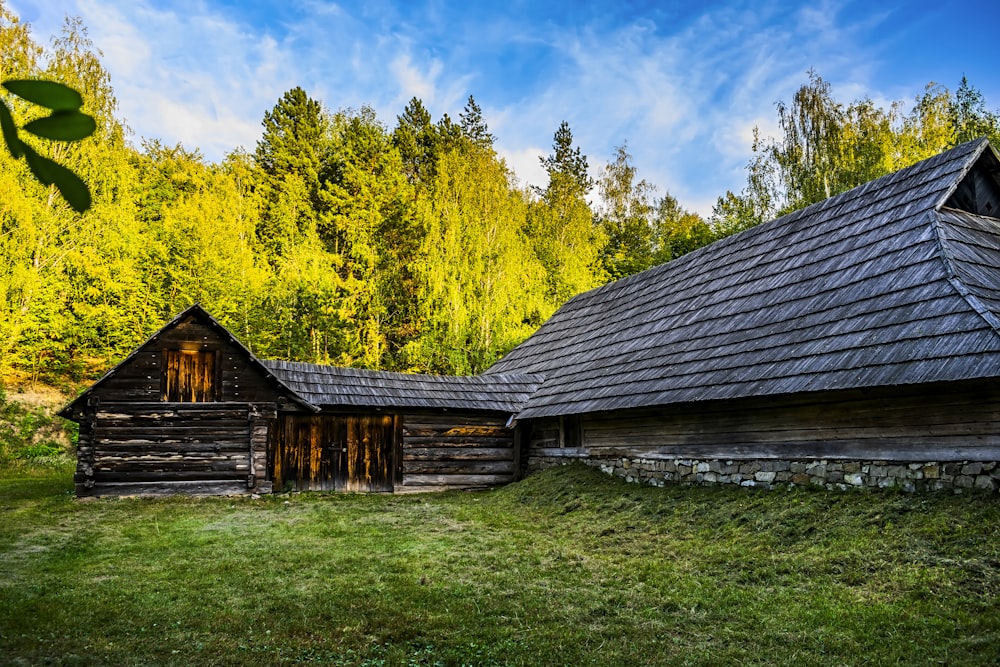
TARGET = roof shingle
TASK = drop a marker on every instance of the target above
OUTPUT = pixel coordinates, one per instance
(332, 386)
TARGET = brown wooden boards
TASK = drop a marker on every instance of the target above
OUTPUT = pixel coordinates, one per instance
(332, 452)
(933, 422)
(190, 376)
(124, 447)
(457, 450)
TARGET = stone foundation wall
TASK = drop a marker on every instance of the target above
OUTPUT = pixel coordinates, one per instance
(830, 474)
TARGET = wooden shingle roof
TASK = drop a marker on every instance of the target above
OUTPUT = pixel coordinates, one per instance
(892, 283)
(332, 386)
(887, 284)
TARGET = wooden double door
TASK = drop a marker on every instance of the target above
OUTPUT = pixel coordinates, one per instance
(343, 452)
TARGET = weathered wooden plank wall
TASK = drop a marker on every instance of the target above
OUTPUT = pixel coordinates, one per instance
(186, 413)
(190, 408)
(943, 422)
(449, 450)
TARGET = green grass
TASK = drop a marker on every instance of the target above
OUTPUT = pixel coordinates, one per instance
(568, 567)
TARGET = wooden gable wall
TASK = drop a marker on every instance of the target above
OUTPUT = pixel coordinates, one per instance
(135, 437)
(141, 378)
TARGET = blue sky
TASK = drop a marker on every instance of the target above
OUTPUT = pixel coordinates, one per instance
(684, 83)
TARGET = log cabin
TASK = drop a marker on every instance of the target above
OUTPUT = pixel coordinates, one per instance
(193, 411)
(855, 342)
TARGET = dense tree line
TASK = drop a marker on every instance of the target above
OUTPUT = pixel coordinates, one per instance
(338, 239)
(827, 147)
(341, 239)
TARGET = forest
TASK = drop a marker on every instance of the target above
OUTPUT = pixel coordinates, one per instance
(344, 239)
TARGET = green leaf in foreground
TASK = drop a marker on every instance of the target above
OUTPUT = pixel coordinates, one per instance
(63, 126)
(9, 130)
(48, 94)
(73, 190)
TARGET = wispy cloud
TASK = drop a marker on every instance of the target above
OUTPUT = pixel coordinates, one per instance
(685, 88)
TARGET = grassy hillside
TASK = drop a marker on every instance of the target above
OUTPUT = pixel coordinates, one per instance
(30, 434)
(568, 567)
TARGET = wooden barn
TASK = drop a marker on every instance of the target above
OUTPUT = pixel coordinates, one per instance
(194, 411)
(855, 342)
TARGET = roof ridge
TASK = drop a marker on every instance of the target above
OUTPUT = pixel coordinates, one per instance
(875, 185)
(742, 237)
(286, 364)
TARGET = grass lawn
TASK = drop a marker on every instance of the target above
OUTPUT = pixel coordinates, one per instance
(568, 567)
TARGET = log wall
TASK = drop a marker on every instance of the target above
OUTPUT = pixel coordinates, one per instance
(199, 427)
(130, 448)
(189, 412)
(449, 450)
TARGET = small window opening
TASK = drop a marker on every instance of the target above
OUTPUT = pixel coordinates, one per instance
(189, 376)
(570, 431)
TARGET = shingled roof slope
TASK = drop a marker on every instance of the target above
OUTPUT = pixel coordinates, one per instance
(332, 386)
(877, 286)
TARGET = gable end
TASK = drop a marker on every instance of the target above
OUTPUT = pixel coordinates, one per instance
(979, 191)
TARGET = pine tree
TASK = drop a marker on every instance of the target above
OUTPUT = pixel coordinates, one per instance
(568, 160)
(561, 224)
(290, 157)
(449, 135)
(970, 117)
(474, 125)
(293, 134)
(416, 139)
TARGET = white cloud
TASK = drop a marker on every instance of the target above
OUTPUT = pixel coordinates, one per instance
(688, 101)
(686, 97)
(411, 81)
(524, 162)
(187, 74)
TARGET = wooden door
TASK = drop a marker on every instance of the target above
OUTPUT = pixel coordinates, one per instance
(369, 453)
(332, 452)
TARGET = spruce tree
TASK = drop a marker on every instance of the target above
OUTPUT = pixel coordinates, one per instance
(289, 155)
(416, 140)
(474, 125)
(568, 160)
